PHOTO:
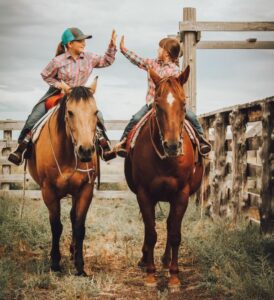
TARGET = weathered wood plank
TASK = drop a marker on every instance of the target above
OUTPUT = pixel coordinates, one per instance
(260, 45)
(32, 194)
(253, 107)
(254, 170)
(238, 122)
(218, 182)
(18, 178)
(188, 25)
(267, 192)
(18, 125)
(189, 14)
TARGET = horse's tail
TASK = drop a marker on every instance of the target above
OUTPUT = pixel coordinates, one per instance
(98, 171)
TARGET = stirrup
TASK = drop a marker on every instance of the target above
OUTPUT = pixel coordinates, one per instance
(204, 146)
(16, 157)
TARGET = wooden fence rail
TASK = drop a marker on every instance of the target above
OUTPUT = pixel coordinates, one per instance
(240, 170)
(113, 184)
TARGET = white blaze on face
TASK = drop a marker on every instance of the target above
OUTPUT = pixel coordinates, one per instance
(170, 99)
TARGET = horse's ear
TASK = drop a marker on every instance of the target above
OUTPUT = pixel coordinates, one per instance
(183, 77)
(154, 76)
(93, 85)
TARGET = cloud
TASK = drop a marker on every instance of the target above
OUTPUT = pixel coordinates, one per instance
(31, 30)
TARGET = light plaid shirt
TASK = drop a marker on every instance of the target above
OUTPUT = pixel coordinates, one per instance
(162, 69)
(75, 72)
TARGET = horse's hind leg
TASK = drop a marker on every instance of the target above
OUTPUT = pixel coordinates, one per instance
(53, 204)
(177, 210)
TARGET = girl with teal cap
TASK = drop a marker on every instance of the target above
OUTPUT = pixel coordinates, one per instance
(71, 67)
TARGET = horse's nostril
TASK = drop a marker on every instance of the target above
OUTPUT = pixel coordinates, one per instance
(85, 152)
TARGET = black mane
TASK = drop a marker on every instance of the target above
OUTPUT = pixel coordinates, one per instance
(77, 93)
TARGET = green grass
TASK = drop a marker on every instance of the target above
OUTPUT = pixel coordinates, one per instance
(235, 261)
(217, 260)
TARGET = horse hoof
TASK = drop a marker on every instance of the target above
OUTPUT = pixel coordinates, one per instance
(150, 281)
(81, 273)
(174, 283)
(166, 271)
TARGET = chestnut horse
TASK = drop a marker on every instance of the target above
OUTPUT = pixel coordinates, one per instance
(64, 161)
(161, 167)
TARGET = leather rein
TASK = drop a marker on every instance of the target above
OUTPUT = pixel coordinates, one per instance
(154, 114)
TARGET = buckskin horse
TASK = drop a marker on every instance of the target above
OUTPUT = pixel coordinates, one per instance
(64, 161)
(161, 167)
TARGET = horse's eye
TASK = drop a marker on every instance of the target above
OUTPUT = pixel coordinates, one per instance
(96, 112)
(70, 113)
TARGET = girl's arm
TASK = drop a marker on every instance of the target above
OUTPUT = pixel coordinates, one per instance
(109, 57)
(49, 73)
(103, 61)
(143, 63)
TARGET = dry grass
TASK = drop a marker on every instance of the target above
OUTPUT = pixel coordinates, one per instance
(112, 248)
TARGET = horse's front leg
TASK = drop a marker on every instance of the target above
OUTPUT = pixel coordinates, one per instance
(147, 207)
(83, 201)
(166, 258)
(53, 204)
(178, 206)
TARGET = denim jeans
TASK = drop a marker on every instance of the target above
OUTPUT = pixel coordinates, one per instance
(192, 118)
(135, 119)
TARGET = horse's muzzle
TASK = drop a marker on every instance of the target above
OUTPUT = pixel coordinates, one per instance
(85, 153)
(173, 148)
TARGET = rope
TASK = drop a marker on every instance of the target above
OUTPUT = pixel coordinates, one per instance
(23, 200)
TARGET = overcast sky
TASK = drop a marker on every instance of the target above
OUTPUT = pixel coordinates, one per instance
(31, 29)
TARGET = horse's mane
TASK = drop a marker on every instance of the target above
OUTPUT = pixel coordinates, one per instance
(77, 93)
(170, 82)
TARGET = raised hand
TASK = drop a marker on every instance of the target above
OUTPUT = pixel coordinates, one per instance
(113, 39)
(122, 44)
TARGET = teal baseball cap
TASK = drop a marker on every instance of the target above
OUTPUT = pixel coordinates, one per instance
(73, 34)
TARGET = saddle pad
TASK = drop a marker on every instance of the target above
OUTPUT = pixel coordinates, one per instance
(53, 101)
(133, 134)
(40, 124)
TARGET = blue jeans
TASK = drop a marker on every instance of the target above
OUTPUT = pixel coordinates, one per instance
(190, 116)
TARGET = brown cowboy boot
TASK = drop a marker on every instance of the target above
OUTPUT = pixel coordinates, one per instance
(105, 149)
(205, 146)
(17, 157)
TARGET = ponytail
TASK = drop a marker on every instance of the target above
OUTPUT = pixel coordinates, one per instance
(60, 49)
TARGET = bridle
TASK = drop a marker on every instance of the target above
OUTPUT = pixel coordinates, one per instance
(67, 122)
(155, 115)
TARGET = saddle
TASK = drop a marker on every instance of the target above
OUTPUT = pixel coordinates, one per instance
(134, 133)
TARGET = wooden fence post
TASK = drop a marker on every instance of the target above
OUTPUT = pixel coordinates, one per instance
(267, 155)
(6, 169)
(205, 183)
(239, 160)
(218, 182)
(189, 42)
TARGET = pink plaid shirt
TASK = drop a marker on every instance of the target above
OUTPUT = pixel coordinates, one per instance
(75, 72)
(162, 69)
